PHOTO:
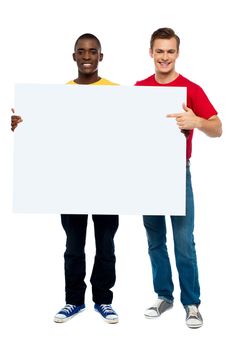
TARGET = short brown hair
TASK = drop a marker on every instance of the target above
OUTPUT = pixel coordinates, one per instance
(164, 33)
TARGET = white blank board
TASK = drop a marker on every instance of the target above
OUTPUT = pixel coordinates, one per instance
(99, 150)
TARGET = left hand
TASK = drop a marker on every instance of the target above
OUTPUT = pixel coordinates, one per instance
(15, 120)
(186, 120)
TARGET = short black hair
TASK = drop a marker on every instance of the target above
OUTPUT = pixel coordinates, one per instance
(87, 36)
(164, 33)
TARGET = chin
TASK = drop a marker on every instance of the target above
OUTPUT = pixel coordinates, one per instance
(164, 71)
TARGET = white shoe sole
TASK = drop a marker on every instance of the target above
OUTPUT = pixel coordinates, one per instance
(65, 319)
(157, 315)
(108, 320)
(194, 326)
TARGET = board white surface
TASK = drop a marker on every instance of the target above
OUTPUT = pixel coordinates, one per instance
(99, 149)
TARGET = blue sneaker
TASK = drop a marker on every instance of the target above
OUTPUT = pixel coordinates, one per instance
(68, 312)
(107, 312)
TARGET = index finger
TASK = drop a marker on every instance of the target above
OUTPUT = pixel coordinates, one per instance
(173, 115)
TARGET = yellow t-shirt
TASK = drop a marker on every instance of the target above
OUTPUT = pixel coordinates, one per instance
(102, 81)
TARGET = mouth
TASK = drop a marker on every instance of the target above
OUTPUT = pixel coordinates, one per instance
(164, 64)
(86, 65)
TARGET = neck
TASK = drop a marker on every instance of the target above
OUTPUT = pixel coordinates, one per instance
(162, 78)
(87, 78)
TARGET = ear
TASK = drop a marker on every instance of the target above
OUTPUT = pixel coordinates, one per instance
(101, 57)
(150, 53)
(74, 58)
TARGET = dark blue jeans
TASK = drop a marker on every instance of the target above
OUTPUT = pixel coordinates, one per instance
(185, 253)
(103, 274)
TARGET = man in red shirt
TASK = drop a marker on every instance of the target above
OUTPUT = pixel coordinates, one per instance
(198, 113)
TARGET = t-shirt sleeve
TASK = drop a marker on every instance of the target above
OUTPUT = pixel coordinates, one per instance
(201, 105)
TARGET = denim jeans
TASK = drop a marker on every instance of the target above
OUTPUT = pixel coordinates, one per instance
(103, 274)
(185, 253)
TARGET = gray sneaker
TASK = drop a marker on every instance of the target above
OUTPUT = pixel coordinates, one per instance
(158, 308)
(193, 316)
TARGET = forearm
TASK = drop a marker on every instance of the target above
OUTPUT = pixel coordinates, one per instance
(212, 127)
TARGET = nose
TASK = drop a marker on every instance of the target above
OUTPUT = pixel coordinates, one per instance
(86, 55)
(165, 56)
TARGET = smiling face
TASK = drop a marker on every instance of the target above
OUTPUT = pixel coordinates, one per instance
(164, 53)
(87, 55)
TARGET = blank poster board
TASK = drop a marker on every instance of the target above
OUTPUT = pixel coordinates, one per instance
(99, 150)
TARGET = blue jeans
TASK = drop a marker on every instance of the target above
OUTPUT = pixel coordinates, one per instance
(185, 253)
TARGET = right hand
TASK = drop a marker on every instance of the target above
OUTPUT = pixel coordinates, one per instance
(15, 120)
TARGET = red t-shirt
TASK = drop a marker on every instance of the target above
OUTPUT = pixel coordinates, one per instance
(196, 100)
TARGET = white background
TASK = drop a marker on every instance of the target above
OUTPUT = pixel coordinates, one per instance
(37, 40)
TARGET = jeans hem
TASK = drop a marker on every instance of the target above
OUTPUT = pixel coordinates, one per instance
(170, 301)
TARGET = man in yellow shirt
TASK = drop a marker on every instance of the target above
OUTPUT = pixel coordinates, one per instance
(87, 54)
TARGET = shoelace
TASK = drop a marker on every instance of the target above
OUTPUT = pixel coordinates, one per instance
(157, 305)
(159, 302)
(192, 311)
(107, 309)
(68, 308)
